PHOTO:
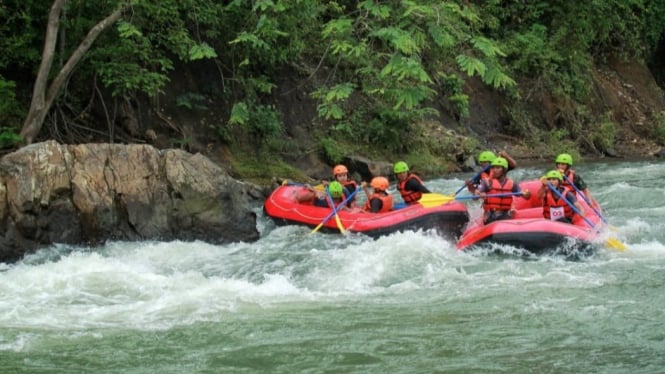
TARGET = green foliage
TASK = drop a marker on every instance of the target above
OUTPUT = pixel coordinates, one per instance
(9, 137)
(191, 101)
(260, 121)
(659, 126)
(604, 136)
(332, 100)
(332, 150)
(10, 114)
(376, 67)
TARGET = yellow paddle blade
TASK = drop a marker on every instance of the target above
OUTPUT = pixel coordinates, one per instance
(317, 227)
(615, 243)
(429, 200)
(339, 223)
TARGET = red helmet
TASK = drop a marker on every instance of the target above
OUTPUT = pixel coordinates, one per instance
(380, 183)
(340, 169)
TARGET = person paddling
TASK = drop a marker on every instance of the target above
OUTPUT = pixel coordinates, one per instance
(410, 185)
(556, 208)
(341, 174)
(564, 163)
(485, 158)
(379, 200)
(319, 198)
(499, 207)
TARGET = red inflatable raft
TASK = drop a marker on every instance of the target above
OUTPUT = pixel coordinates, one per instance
(449, 219)
(529, 230)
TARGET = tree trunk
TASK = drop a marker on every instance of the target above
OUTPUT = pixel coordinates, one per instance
(43, 97)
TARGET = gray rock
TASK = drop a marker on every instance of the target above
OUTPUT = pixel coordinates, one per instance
(90, 193)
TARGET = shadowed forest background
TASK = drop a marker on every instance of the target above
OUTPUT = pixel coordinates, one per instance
(269, 88)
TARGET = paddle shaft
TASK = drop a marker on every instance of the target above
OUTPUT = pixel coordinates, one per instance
(332, 204)
(329, 216)
(490, 195)
(486, 168)
(585, 199)
(571, 205)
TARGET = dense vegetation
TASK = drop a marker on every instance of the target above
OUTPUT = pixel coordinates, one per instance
(374, 67)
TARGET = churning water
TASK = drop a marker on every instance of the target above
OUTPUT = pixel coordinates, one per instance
(294, 302)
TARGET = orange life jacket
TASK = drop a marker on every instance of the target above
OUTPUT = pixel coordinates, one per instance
(554, 207)
(385, 198)
(494, 186)
(409, 196)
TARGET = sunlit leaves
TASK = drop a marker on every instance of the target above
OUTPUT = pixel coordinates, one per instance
(471, 65)
(127, 30)
(239, 114)
(487, 47)
(201, 51)
(400, 39)
(376, 9)
(405, 68)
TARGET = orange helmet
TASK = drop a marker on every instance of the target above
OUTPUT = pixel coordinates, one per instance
(379, 183)
(340, 169)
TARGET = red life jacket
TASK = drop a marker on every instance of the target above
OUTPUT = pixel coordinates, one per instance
(494, 186)
(385, 198)
(554, 207)
(409, 197)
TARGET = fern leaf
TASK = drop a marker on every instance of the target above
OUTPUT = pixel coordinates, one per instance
(379, 11)
(239, 114)
(487, 46)
(471, 65)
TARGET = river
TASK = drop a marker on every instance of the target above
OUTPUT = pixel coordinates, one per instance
(403, 303)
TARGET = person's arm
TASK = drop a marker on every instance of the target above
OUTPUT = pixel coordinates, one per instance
(512, 164)
(542, 191)
(413, 185)
(305, 195)
(481, 190)
(573, 200)
(375, 205)
(472, 184)
(526, 194)
(581, 185)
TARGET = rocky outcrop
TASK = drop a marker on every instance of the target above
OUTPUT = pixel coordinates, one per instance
(90, 193)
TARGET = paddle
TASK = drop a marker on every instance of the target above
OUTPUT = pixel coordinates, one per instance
(334, 211)
(429, 200)
(610, 242)
(586, 199)
(331, 202)
(477, 176)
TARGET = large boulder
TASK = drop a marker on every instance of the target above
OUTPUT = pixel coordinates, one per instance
(90, 193)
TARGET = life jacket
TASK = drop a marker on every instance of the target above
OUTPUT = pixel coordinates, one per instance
(494, 186)
(554, 207)
(385, 198)
(569, 176)
(409, 197)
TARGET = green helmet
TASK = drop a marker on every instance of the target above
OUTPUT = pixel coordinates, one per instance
(336, 190)
(500, 161)
(564, 158)
(554, 174)
(401, 167)
(486, 156)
